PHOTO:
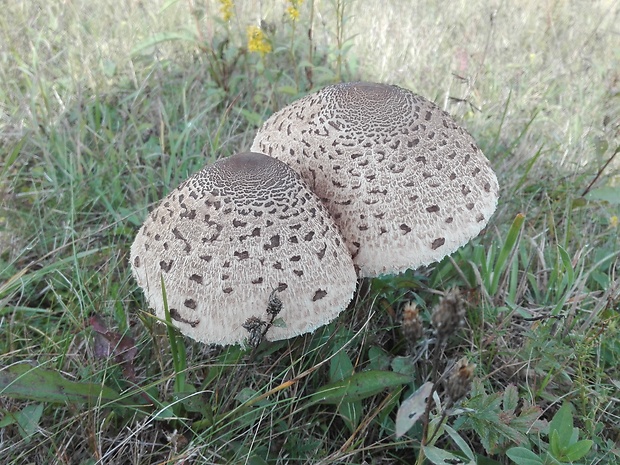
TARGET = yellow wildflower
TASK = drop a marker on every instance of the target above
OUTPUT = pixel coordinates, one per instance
(293, 13)
(613, 221)
(257, 40)
(293, 9)
(226, 9)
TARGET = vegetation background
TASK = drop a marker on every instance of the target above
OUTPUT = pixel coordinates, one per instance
(106, 106)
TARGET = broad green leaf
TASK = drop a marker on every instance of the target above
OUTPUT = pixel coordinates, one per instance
(23, 381)
(523, 456)
(562, 422)
(27, 420)
(378, 359)
(358, 386)
(609, 194)
(555, 444)
(578, 450)
(403, 366)
(340, 366)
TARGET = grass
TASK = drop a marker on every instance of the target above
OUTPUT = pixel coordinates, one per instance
(104, 109)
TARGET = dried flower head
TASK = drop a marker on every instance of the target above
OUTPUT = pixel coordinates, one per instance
(411, 324)
(257, 41)
(226, 9)
(256, 329)
(449, 314)
(274, 306)
(458, 382)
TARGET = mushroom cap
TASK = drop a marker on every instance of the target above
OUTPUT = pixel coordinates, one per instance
(232, 234)
(405, 184)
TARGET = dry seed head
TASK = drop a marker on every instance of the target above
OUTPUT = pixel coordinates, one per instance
(274, 306)
(411, 325)
(448, 315)
(406, 185)
(230, 235)
(256, 329)
(458, 382)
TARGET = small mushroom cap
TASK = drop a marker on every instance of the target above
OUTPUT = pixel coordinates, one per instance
(229, 236)
(405, 184)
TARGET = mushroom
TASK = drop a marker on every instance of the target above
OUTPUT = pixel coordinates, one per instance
(405, 184)
(234, 243)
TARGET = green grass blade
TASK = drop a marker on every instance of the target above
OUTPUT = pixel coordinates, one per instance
(506, 252)
(177, 349)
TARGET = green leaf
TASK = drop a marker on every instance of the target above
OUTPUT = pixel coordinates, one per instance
(562, 422)
(511, 398)
(340, 366)
(403, 366)
(555, 444)
(460, 442)
(27, 420)
(609, 194)
(378, 359)
(23, 381)
(442, 457)
(358, 386)
(497, 424)
(523, 456)
(568, 265)
(253, 118)
(578, 450)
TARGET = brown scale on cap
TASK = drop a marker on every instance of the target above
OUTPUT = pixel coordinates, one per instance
(229, 236)
(405, 184)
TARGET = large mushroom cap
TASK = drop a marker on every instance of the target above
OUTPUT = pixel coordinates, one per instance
(405, 184)
(229, 236)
